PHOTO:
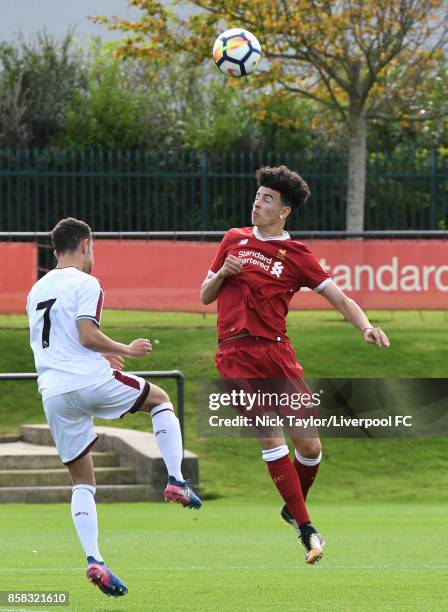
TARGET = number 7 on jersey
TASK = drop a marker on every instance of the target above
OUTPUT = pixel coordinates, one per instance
(47, 305)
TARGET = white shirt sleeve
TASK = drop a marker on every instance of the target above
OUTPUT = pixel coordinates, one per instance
(322, 285)
(90, 300)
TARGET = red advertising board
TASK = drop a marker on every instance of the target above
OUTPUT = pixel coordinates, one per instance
(389, 274)
(167, 275)
(18, 272)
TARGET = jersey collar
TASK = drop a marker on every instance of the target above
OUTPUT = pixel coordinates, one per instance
(258, 236)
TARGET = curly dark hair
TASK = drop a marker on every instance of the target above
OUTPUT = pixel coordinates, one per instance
(293, 189)
(68, 233)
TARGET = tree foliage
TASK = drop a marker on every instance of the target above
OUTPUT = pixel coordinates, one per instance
(37, 80)
(345, 54)
(121, 108)
(57, 94)
(359, 59)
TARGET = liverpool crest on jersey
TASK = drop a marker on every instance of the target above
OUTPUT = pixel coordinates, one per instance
(282, 254)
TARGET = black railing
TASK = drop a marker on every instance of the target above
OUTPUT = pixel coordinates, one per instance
(143, 190)
(174, 374)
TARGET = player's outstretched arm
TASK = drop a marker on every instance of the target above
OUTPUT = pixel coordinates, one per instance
(355, 315)
(92, 338)
(211, 286)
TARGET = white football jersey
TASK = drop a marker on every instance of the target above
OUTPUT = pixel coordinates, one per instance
(55, 304)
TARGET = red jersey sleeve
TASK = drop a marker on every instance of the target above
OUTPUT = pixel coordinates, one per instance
(312, 274)
(221, 255)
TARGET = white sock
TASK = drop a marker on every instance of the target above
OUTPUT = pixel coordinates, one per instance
(166, 429)
(306, 461)
(272, 454)
(85, 519)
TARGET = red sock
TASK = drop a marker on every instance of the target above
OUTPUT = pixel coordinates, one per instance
(287, 482)
(307, 474)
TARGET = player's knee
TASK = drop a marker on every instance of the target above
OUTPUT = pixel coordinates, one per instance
(310, 449)
(160, 398)
(155, 397)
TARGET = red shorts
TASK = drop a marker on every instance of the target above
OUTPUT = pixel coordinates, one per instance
(256, 357)
(257, 364)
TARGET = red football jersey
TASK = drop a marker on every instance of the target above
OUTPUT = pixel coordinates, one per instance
(257, 300)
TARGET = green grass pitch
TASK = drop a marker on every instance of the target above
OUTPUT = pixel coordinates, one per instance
(381, 504)
(235, 555)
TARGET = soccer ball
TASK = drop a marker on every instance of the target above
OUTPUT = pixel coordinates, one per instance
(236, 52)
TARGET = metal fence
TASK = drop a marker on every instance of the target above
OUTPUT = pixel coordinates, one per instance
(144, 190)
(47, 261)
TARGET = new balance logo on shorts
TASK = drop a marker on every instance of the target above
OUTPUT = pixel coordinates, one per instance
(277, 269)
(160, 431)
(85, 513)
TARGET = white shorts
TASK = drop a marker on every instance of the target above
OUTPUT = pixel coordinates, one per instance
(70, 415)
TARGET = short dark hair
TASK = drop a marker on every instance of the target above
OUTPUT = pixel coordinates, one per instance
(293, 189)
(68, 233)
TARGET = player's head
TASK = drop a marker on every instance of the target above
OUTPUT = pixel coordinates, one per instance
(73, 238)
(280, 191)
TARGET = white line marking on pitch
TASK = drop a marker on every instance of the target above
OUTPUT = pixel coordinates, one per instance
(213, 568)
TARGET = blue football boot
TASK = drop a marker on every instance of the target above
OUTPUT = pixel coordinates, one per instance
(104, 579)
(180, 492)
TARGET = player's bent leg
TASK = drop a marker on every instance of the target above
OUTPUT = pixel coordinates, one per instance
(308, 455)
(155, 397)
(307, 459)
(276, 454)
(168, 437)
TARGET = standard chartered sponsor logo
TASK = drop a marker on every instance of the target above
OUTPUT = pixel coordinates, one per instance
(256, 259)
(261, 261)
(256, 255)
(393, 276)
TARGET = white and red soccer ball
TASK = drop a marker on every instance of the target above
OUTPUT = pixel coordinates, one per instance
(236, 52)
